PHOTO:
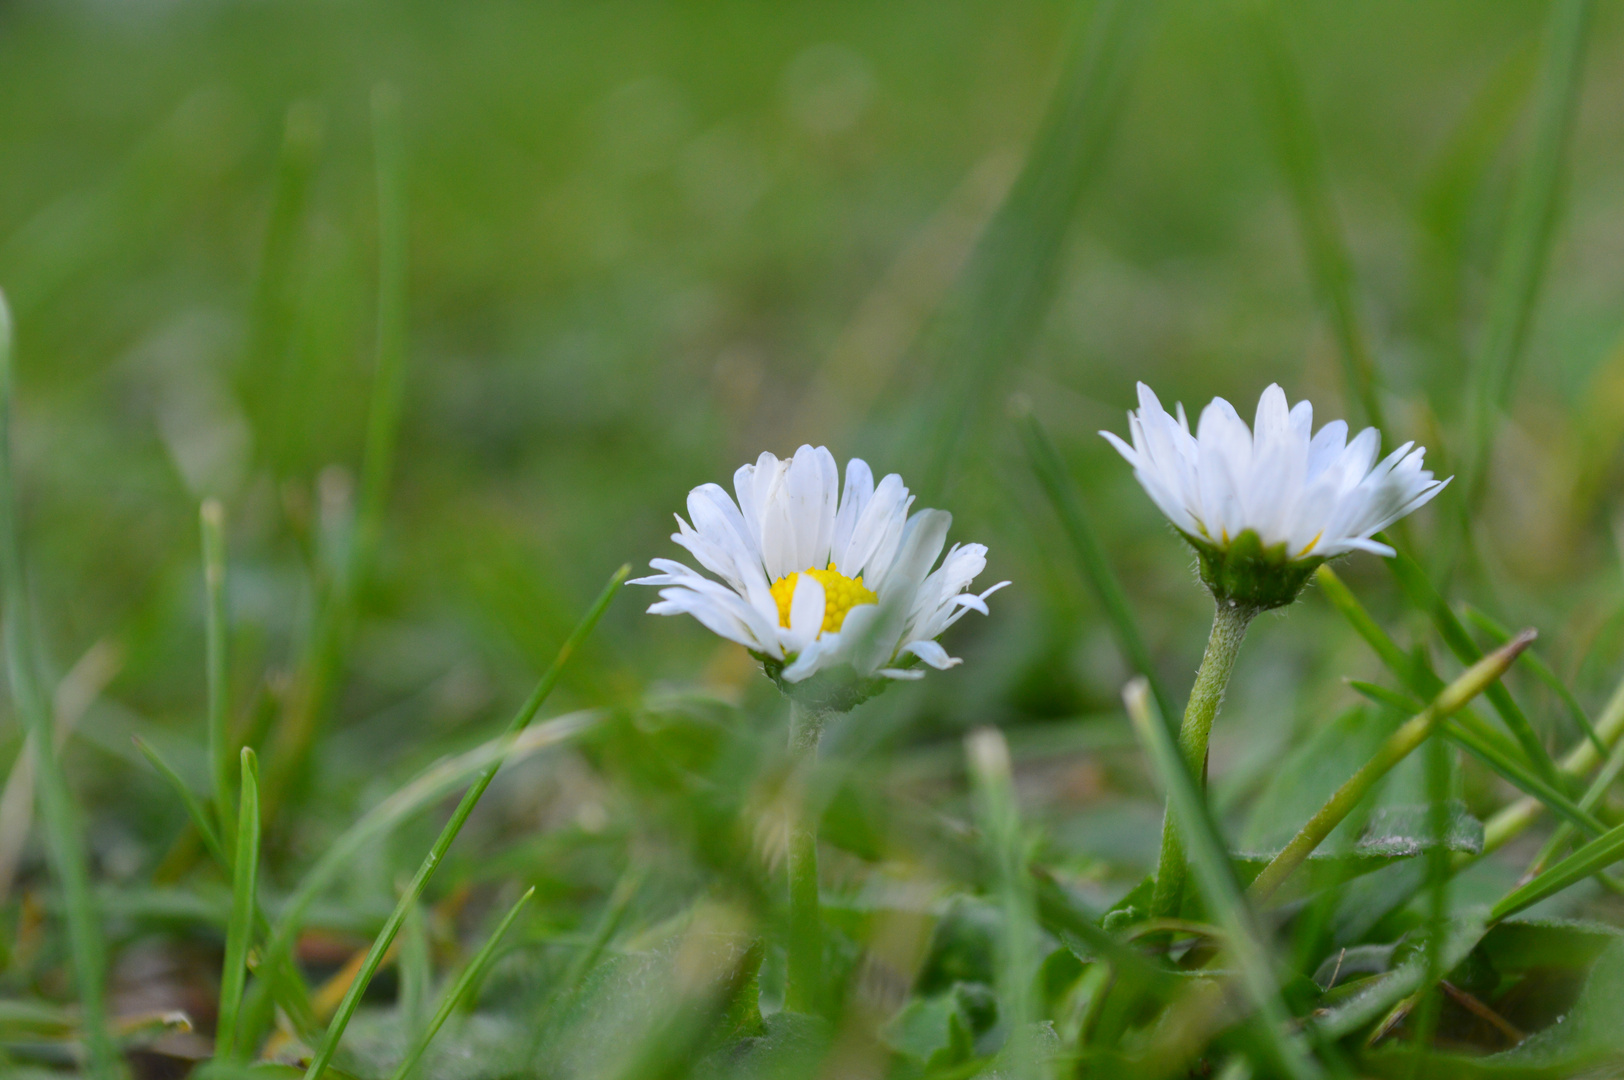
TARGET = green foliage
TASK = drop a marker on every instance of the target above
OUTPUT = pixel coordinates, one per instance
(421, 319)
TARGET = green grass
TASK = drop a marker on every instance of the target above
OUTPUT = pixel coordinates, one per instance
(352, 347)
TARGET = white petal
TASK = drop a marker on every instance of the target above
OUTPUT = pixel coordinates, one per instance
(854, 499)
(933, 654)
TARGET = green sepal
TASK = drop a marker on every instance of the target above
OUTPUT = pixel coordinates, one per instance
(1245, 572)
(833, 690)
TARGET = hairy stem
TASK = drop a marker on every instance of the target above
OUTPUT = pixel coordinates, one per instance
(805, 959)
(1229, 622)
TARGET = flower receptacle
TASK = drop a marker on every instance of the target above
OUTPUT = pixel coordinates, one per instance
(1247, 573)
(831, 691)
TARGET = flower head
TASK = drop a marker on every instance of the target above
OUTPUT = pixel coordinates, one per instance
(1263, 507)
(814, 578)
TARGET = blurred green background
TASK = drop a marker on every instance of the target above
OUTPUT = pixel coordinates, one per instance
(648, 241)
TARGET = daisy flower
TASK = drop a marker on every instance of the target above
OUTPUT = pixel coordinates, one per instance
(811, 578)
(1263, 507)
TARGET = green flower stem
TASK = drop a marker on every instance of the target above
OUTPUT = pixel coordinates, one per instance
(1229, 621)
(1395, 749)
(803, 992)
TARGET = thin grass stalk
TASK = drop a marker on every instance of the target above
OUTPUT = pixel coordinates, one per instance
(431, 862)
(1491, 747)
(1473, 734)
(1437, 887)
(1018, 957)
(1393, 750)
(428, 787)
(328, 644)
(1229, 623)
(462, 987)
(1226, 907)
(1302, 161)
(389, 373)
(274, 317)
(1525, 246)
(211, 521)
(1085, 541)
(1543, 672)
(283, 978)
(194, 809)
(563, 992)
(59, 816)
(1461, 734)
(1511, 820)
(415, 968)
(240, 929)
(1419, 588)
(999, 302)
(1592, 858)
(1564, 830)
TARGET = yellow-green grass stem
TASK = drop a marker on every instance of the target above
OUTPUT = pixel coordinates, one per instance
(1229, 622)
(1393, 750)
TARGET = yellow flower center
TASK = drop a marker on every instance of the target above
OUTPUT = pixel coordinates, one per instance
(840, 595)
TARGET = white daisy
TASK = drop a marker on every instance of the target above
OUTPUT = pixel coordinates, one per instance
(813, 578)
(1278, 492)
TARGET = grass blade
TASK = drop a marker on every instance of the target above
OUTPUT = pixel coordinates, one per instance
(1512, 820)
(1542, 671)
(59, 816)
(431, 862)
(462, 987)
(211, 517)
(1000, 824)
(429, 786)
(1518, 774)
(1396, 700)
(415, 968)
(1564, 830)
(383, 421)
(1593, 858)
(194, 809)
(272, 358)
(1085, 541)
(1393, 750)
(1392, 657)
(1302, 162)
(1413, 580)
(240, 930)
(1007, 285)
(1526, 244)
(1225, 904)
(326, 650)
(1467, 729)
(283, 978)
